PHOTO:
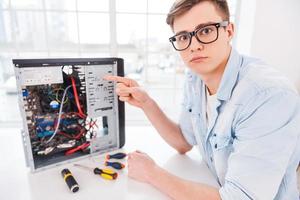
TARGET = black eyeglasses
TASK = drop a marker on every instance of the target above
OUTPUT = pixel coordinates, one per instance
(205, 35)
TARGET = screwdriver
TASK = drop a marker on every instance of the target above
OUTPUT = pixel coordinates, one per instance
(115, 165)
(105, 173)
(116, 156)
(70, 180)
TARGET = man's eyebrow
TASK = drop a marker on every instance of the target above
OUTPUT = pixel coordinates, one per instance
(197, 27)
(180, 32)
(205, 24)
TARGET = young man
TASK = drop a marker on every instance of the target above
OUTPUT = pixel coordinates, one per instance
(242, 114)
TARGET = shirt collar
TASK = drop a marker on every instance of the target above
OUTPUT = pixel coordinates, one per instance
(230, 75)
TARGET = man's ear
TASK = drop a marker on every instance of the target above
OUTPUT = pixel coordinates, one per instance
(230, 31)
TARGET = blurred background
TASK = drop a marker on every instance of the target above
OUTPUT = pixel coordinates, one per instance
(136, 31)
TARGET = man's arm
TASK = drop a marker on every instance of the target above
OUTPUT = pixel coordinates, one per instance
(266, 148)
(142, 168)
(167, 129)
(178, 188)
(130, 92)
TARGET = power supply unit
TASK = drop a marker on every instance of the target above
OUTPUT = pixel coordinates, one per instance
(69, 111)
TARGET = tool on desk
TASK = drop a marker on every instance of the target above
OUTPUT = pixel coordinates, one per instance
(116, 165)
(116, 156)
(70, 180)
(83, 147)
(105, 173)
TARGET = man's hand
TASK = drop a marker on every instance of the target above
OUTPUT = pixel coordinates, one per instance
(140, 166)
(129, 91)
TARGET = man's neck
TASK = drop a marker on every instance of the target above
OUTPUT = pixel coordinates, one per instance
(213, 80)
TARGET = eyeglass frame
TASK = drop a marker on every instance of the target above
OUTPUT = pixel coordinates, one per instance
(194, 33)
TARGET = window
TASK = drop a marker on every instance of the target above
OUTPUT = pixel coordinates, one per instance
(132, 29)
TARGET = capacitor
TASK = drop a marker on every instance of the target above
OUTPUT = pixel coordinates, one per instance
(70, 180)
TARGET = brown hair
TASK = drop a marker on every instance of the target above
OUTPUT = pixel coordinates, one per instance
(182, 6)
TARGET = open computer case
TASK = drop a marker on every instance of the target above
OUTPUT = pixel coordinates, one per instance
(69, 111)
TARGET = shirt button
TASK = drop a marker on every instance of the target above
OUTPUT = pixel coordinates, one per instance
(211, 159)
(190, 110)
(216, 146)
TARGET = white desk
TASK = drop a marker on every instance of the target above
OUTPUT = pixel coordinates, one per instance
(16, 181)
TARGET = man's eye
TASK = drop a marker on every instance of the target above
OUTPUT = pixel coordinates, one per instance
(182, 38)
(205, 31)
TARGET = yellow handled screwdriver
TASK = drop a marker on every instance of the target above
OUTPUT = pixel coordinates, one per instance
(105, 173)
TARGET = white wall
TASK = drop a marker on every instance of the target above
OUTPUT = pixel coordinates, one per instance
(276, 35)
(244, 25)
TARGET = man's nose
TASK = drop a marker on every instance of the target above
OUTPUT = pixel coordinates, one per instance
(196, 45)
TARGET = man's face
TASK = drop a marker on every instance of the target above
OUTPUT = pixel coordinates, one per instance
(204, 59)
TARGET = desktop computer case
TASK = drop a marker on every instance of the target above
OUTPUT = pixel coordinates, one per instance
(69, 111)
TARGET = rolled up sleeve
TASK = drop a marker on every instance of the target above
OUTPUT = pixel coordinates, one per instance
(185, 121)
(232, 190)
(186, 126)
(266, 137)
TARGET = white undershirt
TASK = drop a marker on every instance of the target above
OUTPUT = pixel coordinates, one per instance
(210, 103)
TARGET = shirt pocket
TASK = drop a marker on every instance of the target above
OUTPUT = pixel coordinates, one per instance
(220, 141)
(221, 136)
(221, 149)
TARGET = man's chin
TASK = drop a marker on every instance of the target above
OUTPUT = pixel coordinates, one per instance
(201, 69)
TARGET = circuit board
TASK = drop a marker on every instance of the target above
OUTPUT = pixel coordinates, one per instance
(69, 111)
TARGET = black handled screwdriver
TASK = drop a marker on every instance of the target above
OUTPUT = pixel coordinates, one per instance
(116, 165)
(70, 180)
(116, 156)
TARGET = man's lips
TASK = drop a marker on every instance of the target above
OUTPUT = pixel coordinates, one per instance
(197, 59)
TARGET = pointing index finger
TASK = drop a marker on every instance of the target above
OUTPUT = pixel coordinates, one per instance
(118, 79)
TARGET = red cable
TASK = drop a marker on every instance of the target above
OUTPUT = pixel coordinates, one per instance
(79, 135)
(81, 147)
(77, 99)
(66, 135)
(92, 124)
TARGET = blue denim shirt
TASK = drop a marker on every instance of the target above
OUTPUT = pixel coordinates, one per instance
(253, 143)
